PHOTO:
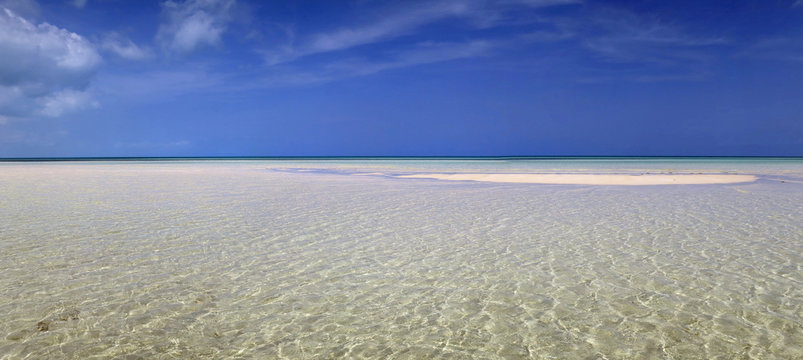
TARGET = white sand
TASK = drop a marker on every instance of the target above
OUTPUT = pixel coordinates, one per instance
(593, 179)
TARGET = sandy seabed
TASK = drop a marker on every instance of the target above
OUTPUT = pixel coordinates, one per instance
(227, 259)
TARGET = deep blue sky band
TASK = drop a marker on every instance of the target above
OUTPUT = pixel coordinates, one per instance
(93, 78)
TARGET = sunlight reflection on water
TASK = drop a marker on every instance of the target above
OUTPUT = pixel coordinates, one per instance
(219, 260)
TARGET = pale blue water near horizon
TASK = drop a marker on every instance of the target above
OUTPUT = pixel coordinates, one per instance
(269, 258)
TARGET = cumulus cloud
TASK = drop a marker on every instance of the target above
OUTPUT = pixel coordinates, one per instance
(44, 70)
(193, 24)
(125, 48)
(79, 3)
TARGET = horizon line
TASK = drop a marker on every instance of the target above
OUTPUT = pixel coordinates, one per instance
(363, 157)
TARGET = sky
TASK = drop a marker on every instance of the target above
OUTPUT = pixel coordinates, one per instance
(87, 78)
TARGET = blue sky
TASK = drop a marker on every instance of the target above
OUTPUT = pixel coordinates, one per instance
(363, 77)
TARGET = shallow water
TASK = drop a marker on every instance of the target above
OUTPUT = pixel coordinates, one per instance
(256, 259)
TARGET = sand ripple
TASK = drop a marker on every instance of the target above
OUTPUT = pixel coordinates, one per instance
(233, 261)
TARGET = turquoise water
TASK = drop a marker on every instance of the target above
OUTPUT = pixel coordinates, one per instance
(260, 259)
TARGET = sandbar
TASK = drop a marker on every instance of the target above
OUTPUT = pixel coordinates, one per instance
(593, 179)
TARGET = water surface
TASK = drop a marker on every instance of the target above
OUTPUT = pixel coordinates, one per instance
(257, 259)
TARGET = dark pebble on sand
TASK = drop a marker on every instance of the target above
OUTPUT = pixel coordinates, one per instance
(42, 326)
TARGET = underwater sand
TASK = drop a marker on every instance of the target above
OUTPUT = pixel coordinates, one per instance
(280, 259)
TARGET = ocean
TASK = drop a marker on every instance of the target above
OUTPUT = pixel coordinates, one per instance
(308, 258)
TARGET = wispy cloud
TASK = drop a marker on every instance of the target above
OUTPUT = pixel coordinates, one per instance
(776, 48)
(167, 84)
(610, 44)
(24, 8)
(423, 53)
(286, 68)
(390, 27)
(393, 23)
(414, 55)
(192, 24)
(125, 48)
(626, 37)
(80, 4)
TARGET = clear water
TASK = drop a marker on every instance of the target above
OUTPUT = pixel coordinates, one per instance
(256, 259)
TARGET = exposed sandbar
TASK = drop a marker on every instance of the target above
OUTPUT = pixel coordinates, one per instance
(593, 179)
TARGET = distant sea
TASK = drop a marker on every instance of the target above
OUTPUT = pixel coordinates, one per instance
(341, 258)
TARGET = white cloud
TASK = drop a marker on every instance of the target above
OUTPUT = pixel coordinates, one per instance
(44, 70)
(125, 48)
(192, 24)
